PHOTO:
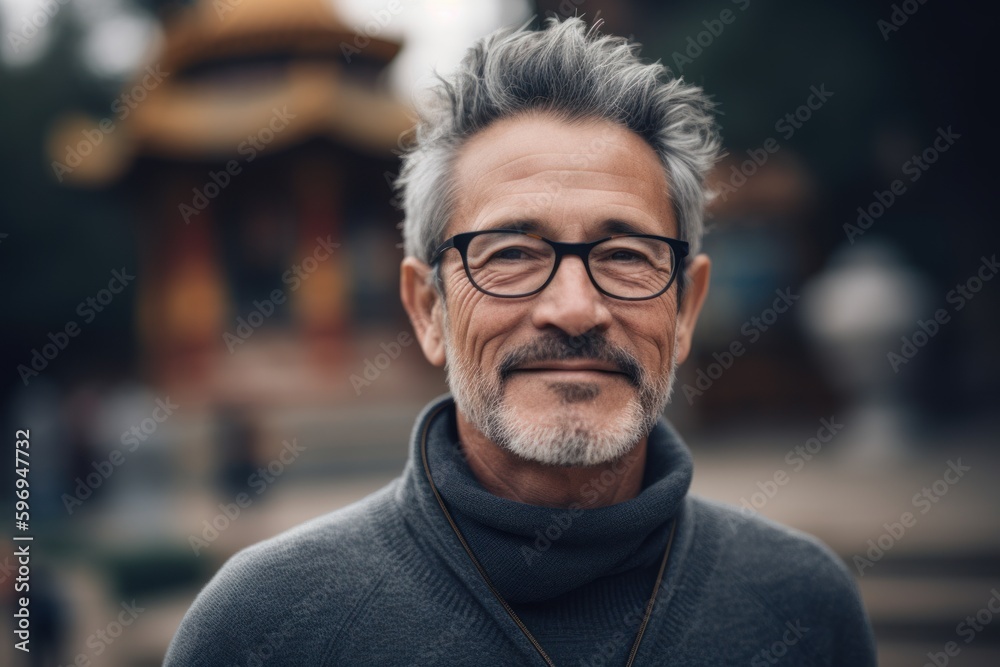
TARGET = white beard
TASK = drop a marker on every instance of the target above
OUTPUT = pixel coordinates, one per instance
(568, 437)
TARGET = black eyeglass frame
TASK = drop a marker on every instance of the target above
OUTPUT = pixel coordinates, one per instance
(461, 243)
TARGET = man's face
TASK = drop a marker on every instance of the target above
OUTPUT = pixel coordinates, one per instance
(574, 182)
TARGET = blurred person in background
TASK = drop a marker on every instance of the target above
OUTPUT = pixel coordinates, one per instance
(553, 204)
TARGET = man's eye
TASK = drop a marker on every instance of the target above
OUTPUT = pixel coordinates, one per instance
(510, 254)
(626, 256)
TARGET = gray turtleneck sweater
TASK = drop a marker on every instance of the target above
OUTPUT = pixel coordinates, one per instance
(386, 581)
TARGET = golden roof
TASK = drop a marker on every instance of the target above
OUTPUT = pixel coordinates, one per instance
(184, 114)
(217, 29)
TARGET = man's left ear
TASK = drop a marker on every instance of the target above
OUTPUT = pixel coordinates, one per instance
(695, 290)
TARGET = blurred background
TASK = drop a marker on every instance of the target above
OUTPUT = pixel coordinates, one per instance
(201, 247)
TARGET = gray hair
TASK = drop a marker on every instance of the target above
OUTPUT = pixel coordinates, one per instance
(577, 74)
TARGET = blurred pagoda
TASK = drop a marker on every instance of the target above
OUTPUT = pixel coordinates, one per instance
(248, 139)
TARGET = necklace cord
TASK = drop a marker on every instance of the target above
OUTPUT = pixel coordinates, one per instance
(496, 593)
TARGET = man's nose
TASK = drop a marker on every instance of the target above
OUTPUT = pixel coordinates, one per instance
(571, 301)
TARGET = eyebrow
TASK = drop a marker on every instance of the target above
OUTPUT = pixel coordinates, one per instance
(608, 227)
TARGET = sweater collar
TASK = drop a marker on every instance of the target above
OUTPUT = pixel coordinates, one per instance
(533, 553)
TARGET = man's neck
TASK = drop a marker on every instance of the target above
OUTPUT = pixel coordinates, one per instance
(505, 475)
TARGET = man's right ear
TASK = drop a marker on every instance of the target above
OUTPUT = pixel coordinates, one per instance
(423, 304)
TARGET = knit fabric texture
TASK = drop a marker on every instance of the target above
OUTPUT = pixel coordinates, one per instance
(386, 581)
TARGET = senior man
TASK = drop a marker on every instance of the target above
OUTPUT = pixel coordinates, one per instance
(553, 201)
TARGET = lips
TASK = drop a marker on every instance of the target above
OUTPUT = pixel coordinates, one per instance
(569, 366)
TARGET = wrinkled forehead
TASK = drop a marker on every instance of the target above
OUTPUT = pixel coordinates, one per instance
(560, 177)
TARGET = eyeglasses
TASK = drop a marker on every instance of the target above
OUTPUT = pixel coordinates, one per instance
(511, 263)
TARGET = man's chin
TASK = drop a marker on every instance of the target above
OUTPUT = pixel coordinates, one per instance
(567, 441)
(594, 415)
(605, 392)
